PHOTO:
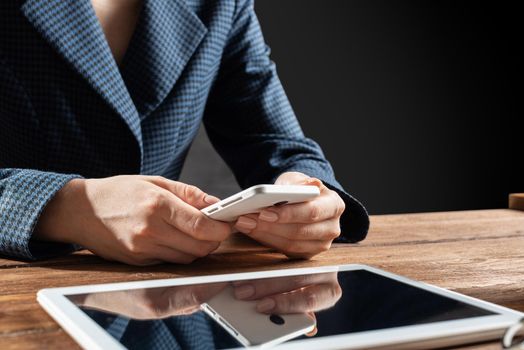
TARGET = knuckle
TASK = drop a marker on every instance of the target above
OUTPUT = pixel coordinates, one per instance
(304, 231)
(191, 193)
(314, 212)
(204, 249)
(153, 203)
(149, 308)
(192, 299)
(284, 214)
(300, 280)
(135, 249)
(197, 226)
(134, 246)
(311, 300)
(335, 233)
(325, 247)
(186, 260)
(291, 246)
(336, 293)
(319, 248)
(157, 178)
(223, 231)
(138, 242)
(142, 230)
(341, 206)
(283, 303)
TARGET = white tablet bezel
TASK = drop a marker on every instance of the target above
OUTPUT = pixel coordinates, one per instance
(91, 336)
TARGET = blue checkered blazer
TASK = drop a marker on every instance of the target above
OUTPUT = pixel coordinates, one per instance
(67, 110)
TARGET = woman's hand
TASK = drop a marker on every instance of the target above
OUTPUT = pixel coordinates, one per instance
(298, 230)
(139, 220)
(293, 294)
(151, 303)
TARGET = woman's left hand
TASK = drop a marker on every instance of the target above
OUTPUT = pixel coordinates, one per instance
(300, 230)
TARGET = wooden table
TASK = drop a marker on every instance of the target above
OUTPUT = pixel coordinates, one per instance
(478, 253)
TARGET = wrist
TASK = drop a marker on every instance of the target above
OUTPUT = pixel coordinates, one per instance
(59, 219)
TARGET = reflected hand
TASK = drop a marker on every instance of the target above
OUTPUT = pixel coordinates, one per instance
(300, 230)
(293, 294)
(151, 303)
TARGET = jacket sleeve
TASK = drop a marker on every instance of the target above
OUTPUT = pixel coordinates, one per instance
(251, 124)
(23, 196)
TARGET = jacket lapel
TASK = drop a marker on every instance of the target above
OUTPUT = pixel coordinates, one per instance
(166, 36)
(72, 28)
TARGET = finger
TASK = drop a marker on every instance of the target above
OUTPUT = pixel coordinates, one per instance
(294, 178)
(172, 255)
(257, 289)
(291, 248)
(156, 254)
(323, 231)
(192, 221)
(204, 292)
(169, 301)
(328, 205)
(314, 331)
(170, 237)
(190, 194)
(246, 223)
(185, 300)
(126, 257)
(308, 299)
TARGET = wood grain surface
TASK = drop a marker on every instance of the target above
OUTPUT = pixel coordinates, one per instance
(478, 253)
(516, 201)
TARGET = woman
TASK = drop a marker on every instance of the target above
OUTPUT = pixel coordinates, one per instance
(96, 89)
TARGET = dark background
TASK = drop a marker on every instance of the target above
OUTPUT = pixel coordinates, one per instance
(413, 102)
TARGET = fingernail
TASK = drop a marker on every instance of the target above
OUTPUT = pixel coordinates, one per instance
(246, 223)
(209, 199)
(245, 291)
(267, 215)
(265, 305)
(313, 181)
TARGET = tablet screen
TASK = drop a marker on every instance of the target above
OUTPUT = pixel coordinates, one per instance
(341, 302)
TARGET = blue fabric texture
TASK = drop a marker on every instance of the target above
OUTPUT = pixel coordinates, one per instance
(67, 110)
(195, 331)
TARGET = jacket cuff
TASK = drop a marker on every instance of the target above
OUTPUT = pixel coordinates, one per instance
(354, 222)
(25, 193)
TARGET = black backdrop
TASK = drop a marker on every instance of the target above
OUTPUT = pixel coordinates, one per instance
(413, 102)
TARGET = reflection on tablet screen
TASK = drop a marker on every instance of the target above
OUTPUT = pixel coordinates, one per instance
(342, 302)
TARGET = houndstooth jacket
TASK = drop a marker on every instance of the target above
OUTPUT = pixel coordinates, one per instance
(67, 110)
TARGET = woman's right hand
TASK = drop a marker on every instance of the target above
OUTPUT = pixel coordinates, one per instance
(139, 220)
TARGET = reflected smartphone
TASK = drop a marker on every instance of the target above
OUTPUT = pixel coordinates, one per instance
(256, 198)
(251, 328)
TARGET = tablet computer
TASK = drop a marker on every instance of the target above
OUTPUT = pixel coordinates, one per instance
(330, 307)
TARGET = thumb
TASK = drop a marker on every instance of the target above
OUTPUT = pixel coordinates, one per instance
(297, 178)
(190, 194)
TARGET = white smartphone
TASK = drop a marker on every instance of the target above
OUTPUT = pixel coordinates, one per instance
(256, 198)
(251, 328)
